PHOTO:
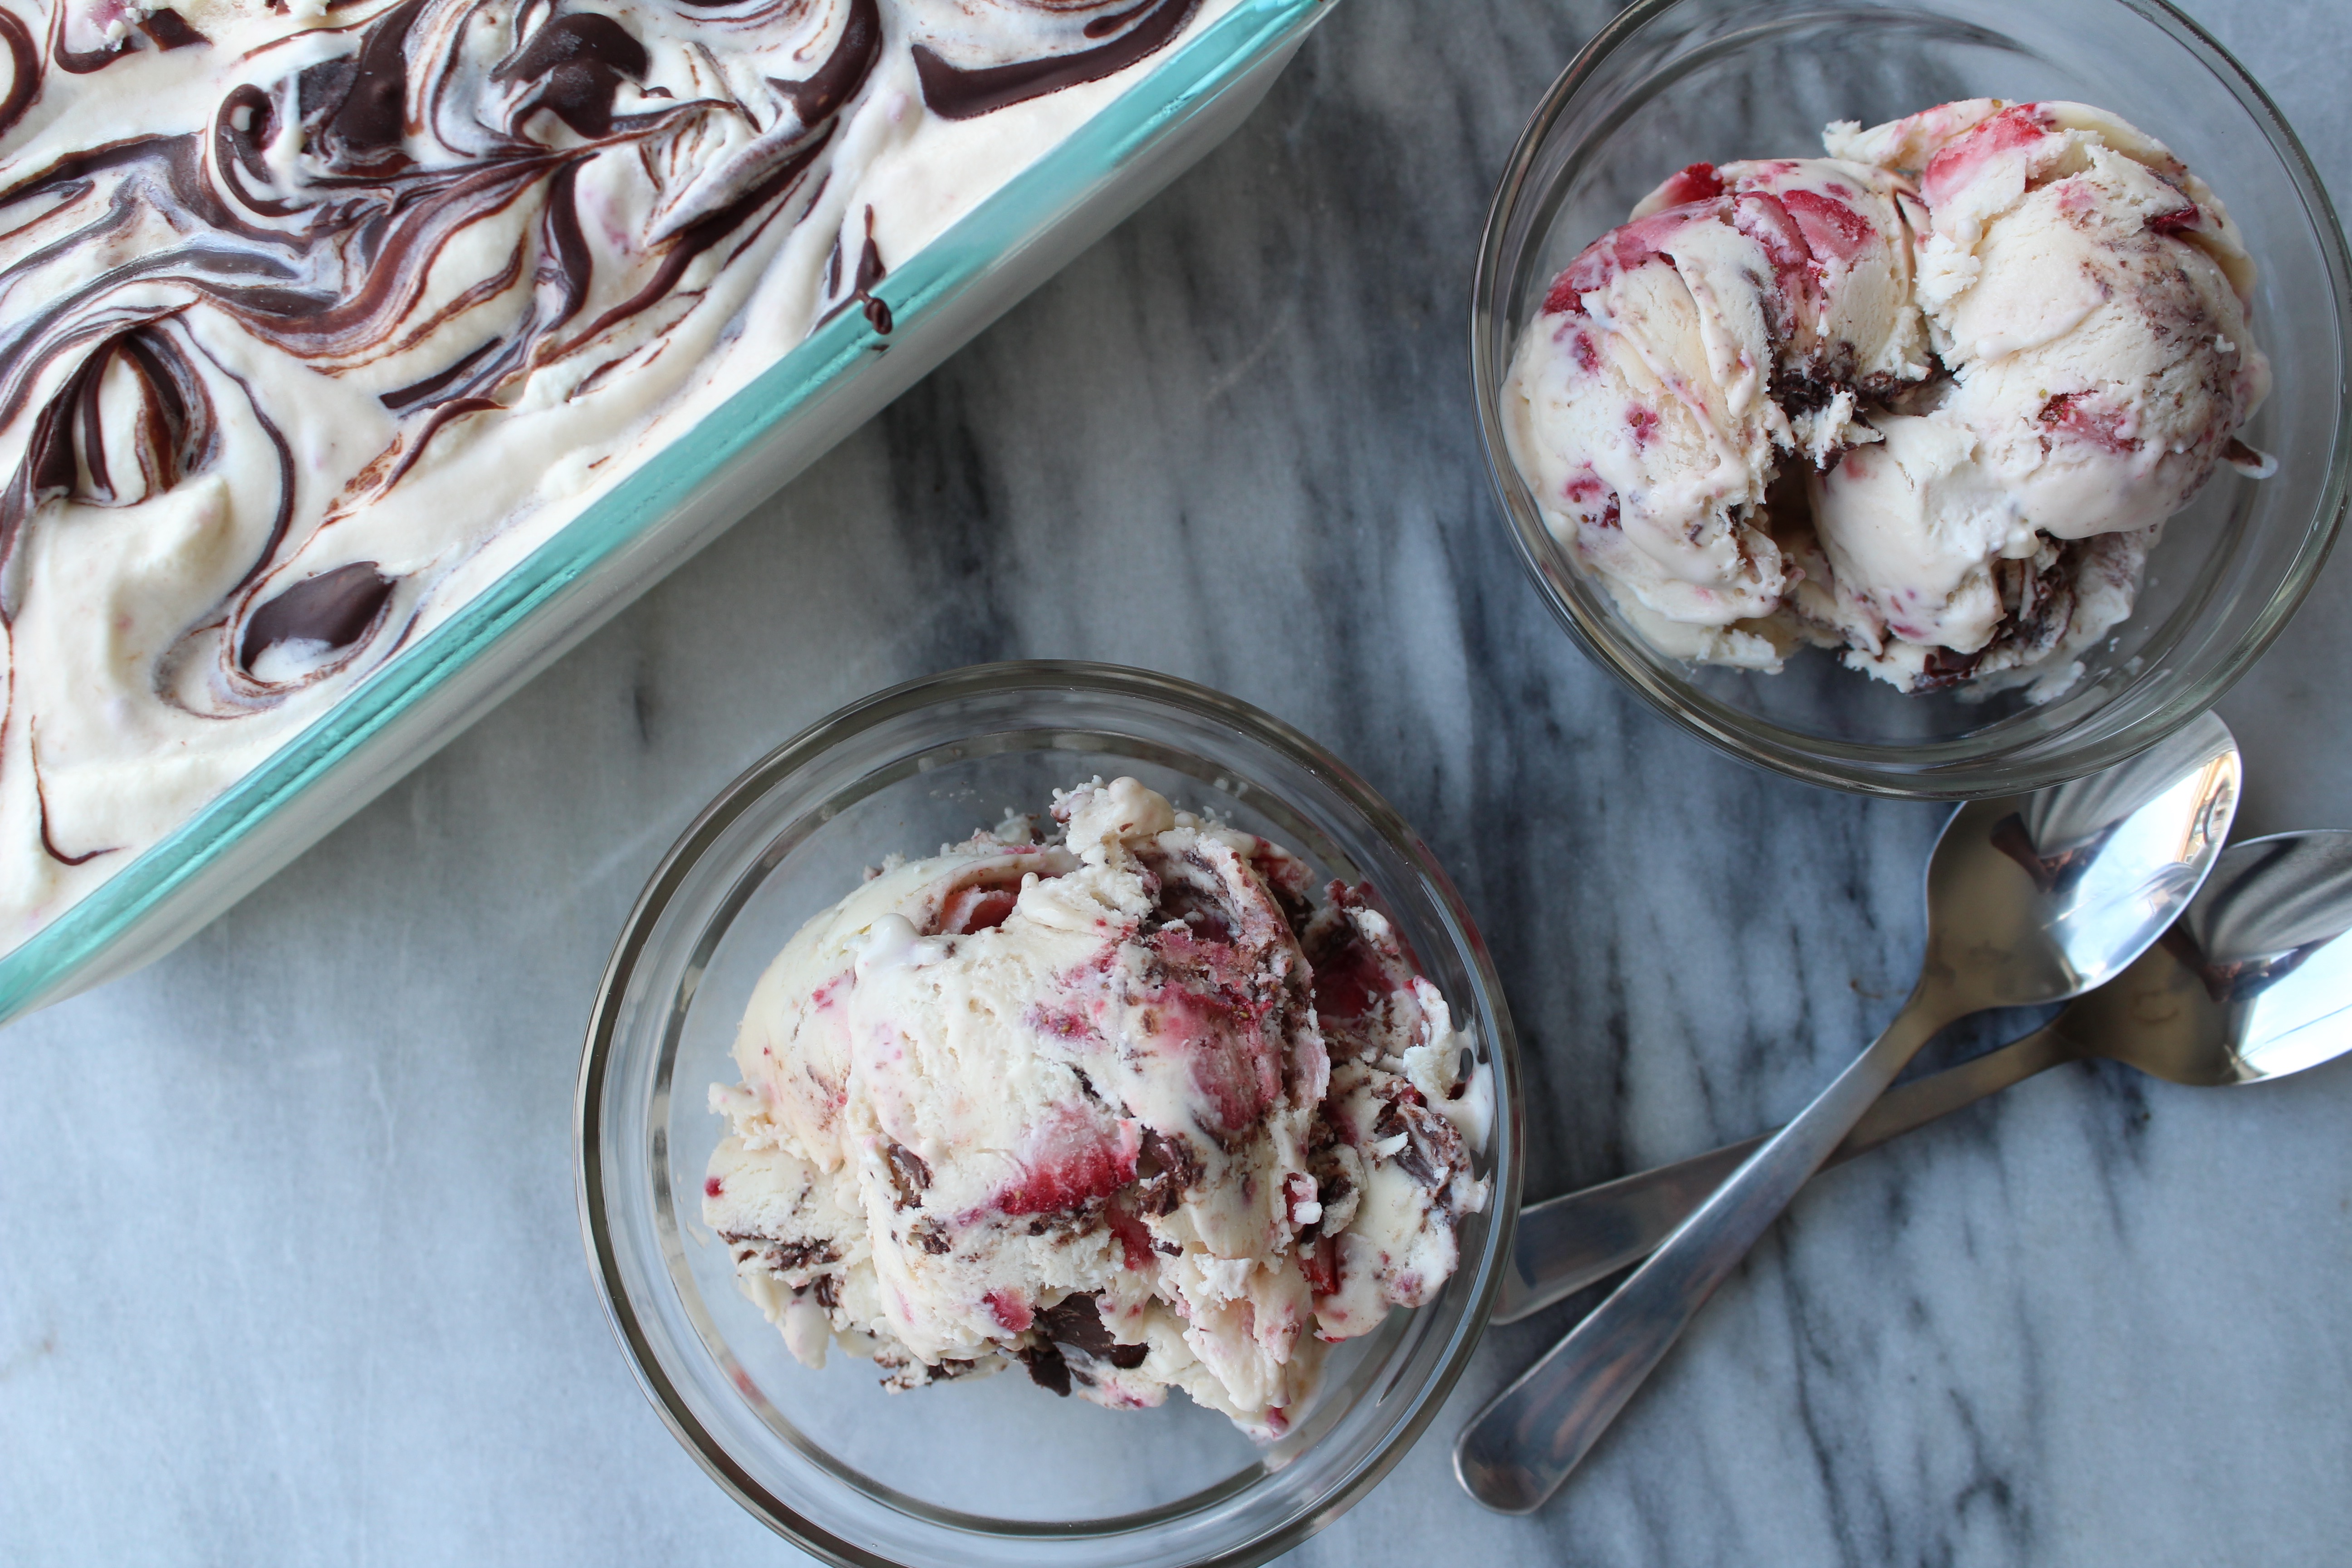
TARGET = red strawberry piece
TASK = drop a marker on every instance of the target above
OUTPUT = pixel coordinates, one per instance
(2082, 417)
(1134, 1239)
(1320, 1264)
(1827, 225)
(1697, 183)
(1070, 1161)
(2019, 125)
(974, 909)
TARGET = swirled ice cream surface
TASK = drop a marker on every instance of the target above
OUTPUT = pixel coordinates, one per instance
(315, 319)
(1125, 1106)
(1928, 400)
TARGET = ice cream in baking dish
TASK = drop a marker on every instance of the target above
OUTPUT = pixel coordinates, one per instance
(316, 316)
(1928, 400)
(1125, 1106)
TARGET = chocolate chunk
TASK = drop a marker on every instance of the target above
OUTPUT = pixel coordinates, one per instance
(1414, 1160)
(1171, 1153)
(1202, 910)
(1286, 878)
(827, 1291)
(1077, 1321)
(2237, 455)
(1168, 1168)
(871, 271)
(1047, 1367)
(801, 1254)
(171, 30)
(1946, 667)
(1432, 1149)
(782, 1256)
(2038, 601)
(909, 1173)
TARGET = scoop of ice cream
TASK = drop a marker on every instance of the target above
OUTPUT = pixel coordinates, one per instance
(1928, 399)
(1738, 317)
(2089, 297)
(1124, 1107)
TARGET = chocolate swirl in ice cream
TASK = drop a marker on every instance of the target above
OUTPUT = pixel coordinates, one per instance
(1123, 1106)
(312, 322)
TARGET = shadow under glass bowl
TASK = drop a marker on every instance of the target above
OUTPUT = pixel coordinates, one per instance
(994, 1470)
(1672, 82)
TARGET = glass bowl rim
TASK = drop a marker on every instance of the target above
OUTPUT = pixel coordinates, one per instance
(809, 747)
(1850, 766)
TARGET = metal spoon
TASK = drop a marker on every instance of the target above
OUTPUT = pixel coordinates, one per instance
(2251, 983)
(2030, 898)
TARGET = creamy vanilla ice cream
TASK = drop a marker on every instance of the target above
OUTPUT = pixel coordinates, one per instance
(1738, 317)
(1123, 1105)
(315, 318)
(1928, 400)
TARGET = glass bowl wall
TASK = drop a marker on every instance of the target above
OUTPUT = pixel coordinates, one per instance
(1672, 82)
(993, 1471)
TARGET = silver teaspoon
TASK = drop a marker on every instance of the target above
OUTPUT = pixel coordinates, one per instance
(2253, 982)
(2030, 898)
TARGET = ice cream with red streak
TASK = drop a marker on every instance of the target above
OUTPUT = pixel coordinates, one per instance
(1736, 320)
(1124, 1105)
(1927, 401)
(2088, 296)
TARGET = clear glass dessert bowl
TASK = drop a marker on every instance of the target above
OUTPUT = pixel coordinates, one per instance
(993, 1470)
(1672, 82)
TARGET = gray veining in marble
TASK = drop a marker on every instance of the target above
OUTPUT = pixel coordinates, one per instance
(292, 1272)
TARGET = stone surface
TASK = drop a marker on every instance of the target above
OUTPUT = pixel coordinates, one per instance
(293, 1272)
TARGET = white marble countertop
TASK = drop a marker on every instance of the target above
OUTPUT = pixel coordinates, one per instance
(292, 1272)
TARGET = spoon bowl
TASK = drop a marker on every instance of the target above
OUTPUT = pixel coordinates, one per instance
(2253, 982)
(2035, 899)
(2265, 933)
(2030, 898)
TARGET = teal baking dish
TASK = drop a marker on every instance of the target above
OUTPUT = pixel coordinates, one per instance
(677, 501)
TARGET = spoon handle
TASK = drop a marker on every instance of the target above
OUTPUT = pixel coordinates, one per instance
(1516, 1452)
(1565, 1244)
